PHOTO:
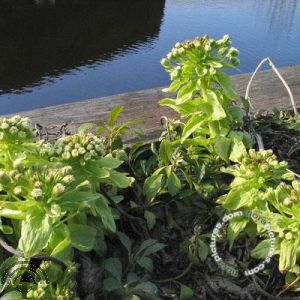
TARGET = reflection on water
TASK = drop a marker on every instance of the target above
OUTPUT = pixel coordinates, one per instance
(47, 37)
(59, 51)
(280, 16)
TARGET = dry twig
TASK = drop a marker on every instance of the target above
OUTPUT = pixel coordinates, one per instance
(270, 63)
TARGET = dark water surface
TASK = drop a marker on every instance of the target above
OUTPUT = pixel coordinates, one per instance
(59, 51)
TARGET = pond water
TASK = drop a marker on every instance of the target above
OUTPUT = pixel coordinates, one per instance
(59, 51)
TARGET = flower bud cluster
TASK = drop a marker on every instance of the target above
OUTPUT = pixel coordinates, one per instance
(288, 194)
(39, 292)
(40, 182)
(82, 147)
(204, 54)
(264, 166)
(16, 129)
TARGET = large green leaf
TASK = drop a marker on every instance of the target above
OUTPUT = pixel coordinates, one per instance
(224, 81)
(203, 251)
(62, 250)
(125, 240)
(114, 267)
(13, 295)
(104, 211)
(238, 150)
(223, 147)
(150, 218)
(118, 179)
(35, 232)
(174, 184)
(152, 185)
(261, 250)
(82, 237)
(192, 125)
(109, 162)
(147, 287)
(186, 92)
(114, 114)
(236, 226)
(165, 152)
(218, 111)
(74, 199)
(288, 254)
(243, 196)
(186, 292)
(145, 262)
(111, 284)
(236, 114)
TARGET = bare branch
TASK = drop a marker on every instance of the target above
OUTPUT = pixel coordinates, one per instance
(270, 63)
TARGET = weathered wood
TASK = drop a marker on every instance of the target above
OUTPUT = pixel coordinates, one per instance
(266, 92)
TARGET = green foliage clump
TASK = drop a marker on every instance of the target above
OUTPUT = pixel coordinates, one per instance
(17, 128)
(85, 217)
(265, 186)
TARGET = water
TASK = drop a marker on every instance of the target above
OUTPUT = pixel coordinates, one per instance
(60, 51)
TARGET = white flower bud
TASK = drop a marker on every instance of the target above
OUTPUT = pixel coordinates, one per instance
(66, 155)
(75, 153)
(15, 119)
(58, 189)
(87, 156)
(18, 176)
(84, 186)
(93, 153)
(36, 193)
(81, 150)
(289, 236)
(18, 190)
(66, 170)
(13, 130)
(38, 184)
(89, 147)
(68, 179)
(4, 125)
(287, 202)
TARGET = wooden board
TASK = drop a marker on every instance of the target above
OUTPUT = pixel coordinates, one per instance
(266, 92)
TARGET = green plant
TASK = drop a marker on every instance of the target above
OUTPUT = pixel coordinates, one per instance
(205, 96)
(266, 187)
(45, 282)
(85, 217)
(115, 130)
(135, 286)
(210, 133)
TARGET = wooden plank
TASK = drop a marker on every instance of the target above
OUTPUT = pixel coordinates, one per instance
(266, 92)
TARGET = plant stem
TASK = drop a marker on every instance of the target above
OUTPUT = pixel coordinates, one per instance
(183, 273)
(18, 253)
(289, 286)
